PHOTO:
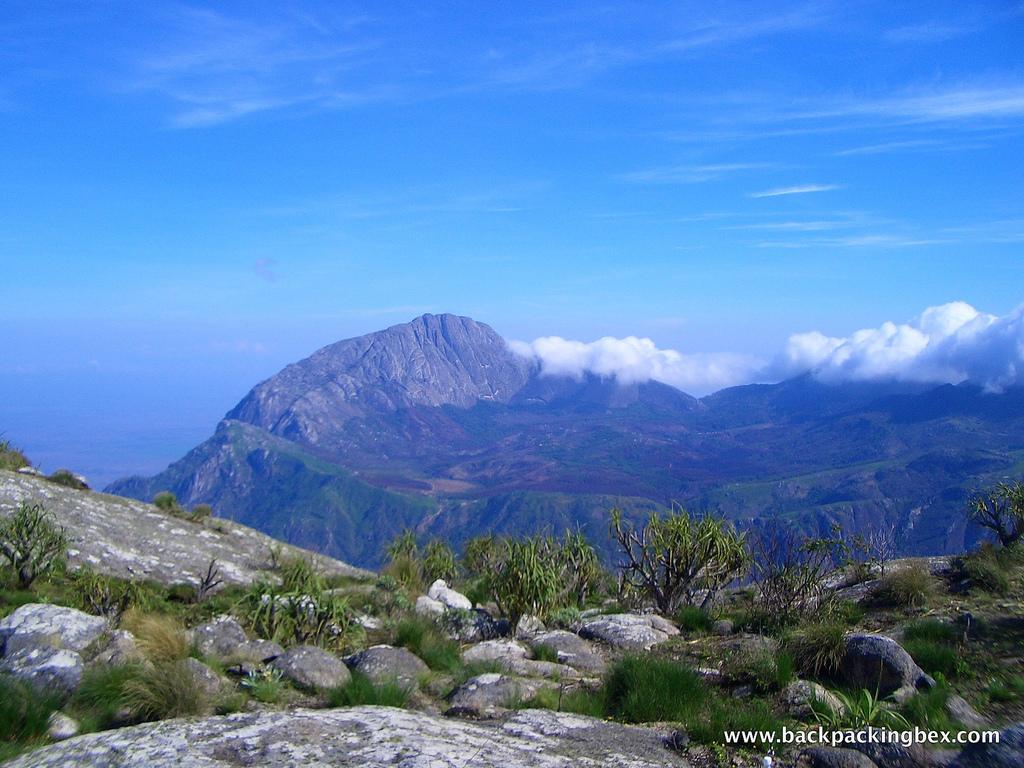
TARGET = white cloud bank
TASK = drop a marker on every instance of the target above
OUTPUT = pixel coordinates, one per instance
(948, 343)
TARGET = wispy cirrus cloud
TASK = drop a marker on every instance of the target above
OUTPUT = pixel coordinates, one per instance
(798, 189)
(690, 174)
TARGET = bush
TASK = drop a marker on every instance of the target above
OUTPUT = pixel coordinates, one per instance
(641, 689)
(927, 709)
(31, 543)
(438, 562)
(163, 690)
(200, 512)
(361, 691)
(987, 569)
(167, 502)
(817, 649)
(528, 580)
(693, 619)
(11, 458)
(24, 711)
(68, 479)
(679, 559)
(160, 638)
(934, 646)
(424, 638)
(1001, 510)
(107, 596)
(480, 556)
(912, 586)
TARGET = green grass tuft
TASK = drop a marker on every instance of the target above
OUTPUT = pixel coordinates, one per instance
(424, 638)
(693, 619)
(361, 691)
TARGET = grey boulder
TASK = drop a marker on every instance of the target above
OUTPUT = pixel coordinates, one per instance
(39, 624)
(46, 668)
(219, 638)
(310, 667)
(626, 631)
(491, 694)
(572, 650)
(385, 664)
(876, 662)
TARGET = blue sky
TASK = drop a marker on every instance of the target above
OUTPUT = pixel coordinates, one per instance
(193, 195)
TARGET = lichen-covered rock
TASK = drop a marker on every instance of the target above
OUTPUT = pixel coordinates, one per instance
(386, 664)
(118, 647)
(441, 592)
(473, 626)
(208, 681)
(219, 638)
(48, 669)
(798, 696)
(428, 606)
(62, 727)
(256, 651)
(626, 631)
(362, 737)
(1008, 753)
(491, 694)
(499, 651)
(528, 626)
(311, 667)
(572, 650)
(832, 757)
(39, 625)
(876, 662)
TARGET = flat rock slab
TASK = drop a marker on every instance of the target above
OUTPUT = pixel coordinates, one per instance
(362, 737)
(131, 539)
(626, 631)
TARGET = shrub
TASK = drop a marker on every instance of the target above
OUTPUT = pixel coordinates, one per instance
(68, 479)
(859, 710)
(167, 502)
(424, 638)
(165, 689)
(911, 586)
(107, 596)
(817, 649)
(641, 689)
(987, 570)
(481, 555)
(200, 512)
(438, 562)
(31, 543)
(101, 699)
(160, 638)
(11, 458)
(528, 580)
(693, 619)
(24, 711)
(361, 691)
(679, 559)
(1001, 510)
(263, 685)
(564, 618)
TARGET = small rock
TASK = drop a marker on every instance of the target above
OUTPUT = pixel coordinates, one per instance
(572, 650)
(208, 680)
(958, 708)
(120, 648)
(62, 727)
(626, 631)
(385, 664)
(662, 624)
(31, 471)
(42, 625)
(489, 695)
(219, 638)
(528, 626)
(427, 606)
(256, 651)
(474, 626)
(723, 627)
(312, 667)
(500, 651)
(368, 622)
(46, 668)
(441, 592)
(798, 696)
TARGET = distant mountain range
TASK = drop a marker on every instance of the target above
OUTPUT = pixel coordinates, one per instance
(437, 425)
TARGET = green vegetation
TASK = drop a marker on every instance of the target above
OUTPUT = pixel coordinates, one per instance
(104, 595)
(361, 691)
(31, 544)
(817, 648)
(165, 689)
(425, 639)
(989, 568)
(1001, 510)
(678, 558)
(159, 637)
(167, 502)
(11, 458)
(764, 670)
(263, 685)
(24, 715)
(1010, 688)
(693, 619)
(438, 562)
(100, 701)
(861, 709)
(927, 709)
(68, 479)
(577, 701)
(934, 646)
(911, 586)
(545, 653)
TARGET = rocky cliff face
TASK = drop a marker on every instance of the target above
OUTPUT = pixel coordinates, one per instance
(433, 361)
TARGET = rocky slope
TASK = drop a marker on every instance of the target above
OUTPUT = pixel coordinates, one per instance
(131, 539)
(438, 426)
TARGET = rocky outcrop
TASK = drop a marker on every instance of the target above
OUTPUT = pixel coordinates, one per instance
(385, 664)
(219, 638)
(496, 651)
(876, 662)
(628, 631)
(312, 668)
(132, 539)
(363, 737)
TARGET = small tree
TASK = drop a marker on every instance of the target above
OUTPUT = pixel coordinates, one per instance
(31, 543)
(680, 559)
(1001, 510)
(528, 579)
(438, 561)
